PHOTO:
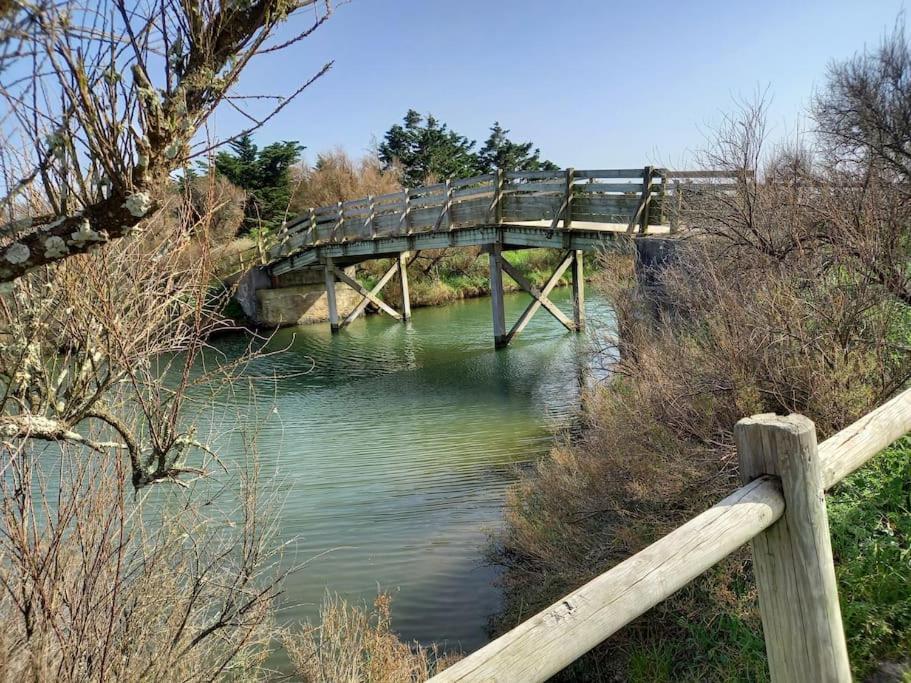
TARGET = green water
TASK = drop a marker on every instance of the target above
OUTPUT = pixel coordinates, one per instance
(396, 448)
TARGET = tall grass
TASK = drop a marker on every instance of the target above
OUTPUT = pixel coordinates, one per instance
(352, 644)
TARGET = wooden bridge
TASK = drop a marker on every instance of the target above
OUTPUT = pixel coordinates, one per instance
(574, 211)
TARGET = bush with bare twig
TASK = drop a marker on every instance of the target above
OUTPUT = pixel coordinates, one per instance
(788, 295)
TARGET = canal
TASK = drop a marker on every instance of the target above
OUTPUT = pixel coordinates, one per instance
(392, 447)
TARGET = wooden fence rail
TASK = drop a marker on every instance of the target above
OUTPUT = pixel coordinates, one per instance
(633, 197)
(781, 510)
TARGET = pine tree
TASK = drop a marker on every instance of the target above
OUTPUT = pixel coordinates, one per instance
(499, 152)
(264, 174)
(425, 149)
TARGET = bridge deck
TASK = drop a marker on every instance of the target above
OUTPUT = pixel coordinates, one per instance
(573, 211)
(525, 234)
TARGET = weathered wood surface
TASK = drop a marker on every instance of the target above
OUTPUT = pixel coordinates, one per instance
(495, 258)
(850, 448)
(552, 639)
(561, 197)
(578, 284)
(368, 296)
(539, 297)
(792, 559)
(543, 645)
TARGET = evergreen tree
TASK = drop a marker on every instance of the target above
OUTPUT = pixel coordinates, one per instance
(266, 176)
(499, 152)
(427, 148)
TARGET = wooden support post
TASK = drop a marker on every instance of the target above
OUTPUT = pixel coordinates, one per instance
(497, 204)
(368, 296)
(678, 204)
(578, 290)
(792, 559)
(647, 174)
(540, 298)
(339, 219)
(495, 257)
(568, 210)
(371, 217)
(662, 195)
(329, 272)
(313, 236)
(406, 207)
(403, 280)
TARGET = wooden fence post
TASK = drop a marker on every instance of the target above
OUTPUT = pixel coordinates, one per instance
(371, 217)
(339, 220)
(647, 174)
(568, 211)
(792, 559)
(498, 196)
(678, 206)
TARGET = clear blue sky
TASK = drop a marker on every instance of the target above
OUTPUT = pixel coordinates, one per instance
(593, 83)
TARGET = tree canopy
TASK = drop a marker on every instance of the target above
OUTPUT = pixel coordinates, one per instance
(499, 152)
(266, 176)
(425, 149)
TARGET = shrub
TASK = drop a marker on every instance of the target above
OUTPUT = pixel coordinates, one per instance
(353, 645)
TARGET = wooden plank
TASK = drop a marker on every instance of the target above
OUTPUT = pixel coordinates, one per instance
(610, 173)
(582, 188)
(534, 187)
(532, 175)
(425, 189)
(539, 296)
(487, 178)
(389, 197)
(555, 637)
(850, 448)
(701, 174)
(474, 191)
(792, 559)
(605, 204)
(428, 200)
(369, 296)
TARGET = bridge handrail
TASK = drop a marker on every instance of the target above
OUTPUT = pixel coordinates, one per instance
(566, 194)
(555, 637)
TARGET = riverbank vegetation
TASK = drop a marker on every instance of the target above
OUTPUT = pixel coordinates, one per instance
(129, 549)
(352, 643)
(794, 298)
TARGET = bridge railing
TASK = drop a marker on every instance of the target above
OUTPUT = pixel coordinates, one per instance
(781, 510)
(635, 198)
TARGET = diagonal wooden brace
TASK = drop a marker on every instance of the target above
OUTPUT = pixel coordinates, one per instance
(369, 297)
(540, 296)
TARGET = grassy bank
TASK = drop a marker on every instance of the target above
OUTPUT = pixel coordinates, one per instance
(870, 523)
